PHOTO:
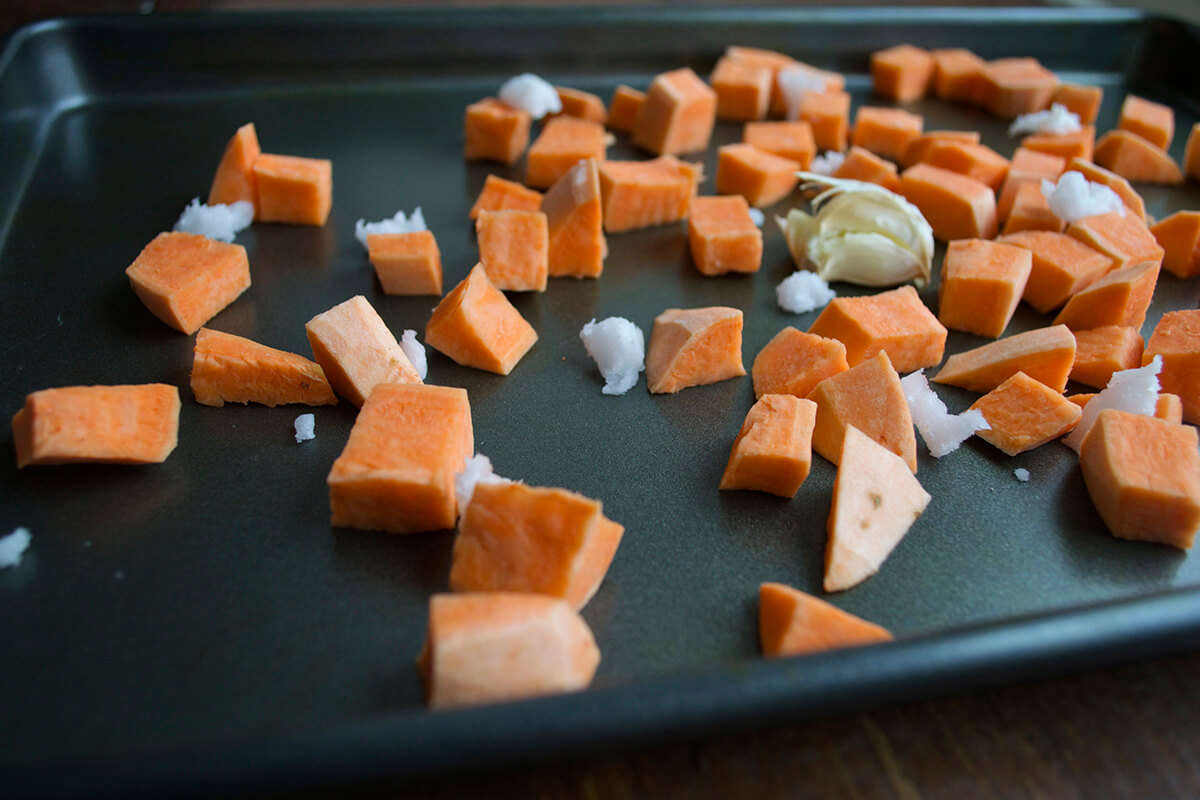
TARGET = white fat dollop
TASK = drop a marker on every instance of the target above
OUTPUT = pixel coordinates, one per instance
(1075, 197)
(1056, 119)
(219, 221)
(415, 351)
(1132, 390)
(13, 547)
(1021, 474)
(400, 223)
(803, 291)
(756, 216)
(476, 470)
(942, 431)
(827, 163)
(619, 349)
(794, 82)
(306, 427)
(530, 93)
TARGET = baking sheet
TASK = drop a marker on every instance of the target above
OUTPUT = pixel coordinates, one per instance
(198, 626)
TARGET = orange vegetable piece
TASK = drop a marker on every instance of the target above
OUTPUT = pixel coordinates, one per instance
(917, 150)
(1099, 352)
(292, 189)
(476, 326)
(1093, 172)
(957, 75)
(867, 397)
(487, 647)
(773, 450)
(1062, 266)
(575, 220)
(1135, 158)
(794, 362)
(1121, 297)
(1083, 100)
(136, 424)
(495, 131)
(791, 140)
(1179, 236)
(514, 248)
(829, 115)
(1044, 354)
(396, 472)
(518, 538)
(863, 165)
(1010, 87)
(902, 73)
(563, 142)
(1031, 212)
(1152, 121)
(694, 347)
(406, 263)
(357, 351)
(981, 284)
(875, 503)
(585, 105)
(722, 237)
(1191, 153)
(1024, 413)
(791, 622)
(762, 178)
(976, 161)
(1177, 339)
(677, 115)
(185, 279)
(1079, 144)
(1028, 166)
(895, 321)
(234, 180)
(1123, 238)
(1143, 475)
(641, 194)
(1169, 407)
(777, 62)
(232, 369)
(885, 131)
(499, 194)
(957, 207)
(743, 90)
(624, 107)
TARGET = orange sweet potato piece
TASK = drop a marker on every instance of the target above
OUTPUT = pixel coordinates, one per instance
(976, 161)
(499, 194)
(1028, 166)
(794, 362)
(957, 75)
(406, 263)
(721, 236)
(234, 180)
(1083, 100)
(777, 62)
(1100, 352)
(357, 351)
(981, 284)
(694, 347)
(1179, 236)
(518, 538)
(829, 115)
(743, 90)
(185, 279)
(495, 131)
(487, 647)
(1135, 158)
(677, 115)
(292, 189)
(902, 73)
(581, 104)
(1143, 475)
(641, 194)
(396, 472)
(1024, 413)
(1177, 339)
(1062, 266)
(514, 248)
(136, 424)
(875, 503)
(895, 321)
(1169, 407)
(1031, 212)
(867, 397)
(762, 178)
(885, 131)
(1010, 87)
(575, 218)
(1191, 153)
(1152, 121)
(624, 107)
(232, 369)
(1097, 174)
(1123, 238)
(917, 150)
(791, 622)
(1044, 354)
(792, 140)
(563, 142)
(957, 207)
(1121, 297)
(1079, 144)
(863, 165)
(773, 450)
(476, 326)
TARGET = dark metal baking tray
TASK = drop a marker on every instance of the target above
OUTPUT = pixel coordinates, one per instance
(197, 627)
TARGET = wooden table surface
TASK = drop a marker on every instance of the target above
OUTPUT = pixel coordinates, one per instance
(1131, 731)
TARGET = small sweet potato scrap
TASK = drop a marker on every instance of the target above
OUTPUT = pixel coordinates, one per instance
(678, 114)
(233, 369)
(694, 347)
(185, 279)
(357, 351)
(895, 321)
(1024, 414)
(1099, 352)
(476, 326)
(773, 450)
(1177, 339)
(495, 131)
(794, 362)
(1044, 354)
(722, 237)
(791, 622)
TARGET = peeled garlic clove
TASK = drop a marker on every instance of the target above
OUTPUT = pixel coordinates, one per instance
(867, 259)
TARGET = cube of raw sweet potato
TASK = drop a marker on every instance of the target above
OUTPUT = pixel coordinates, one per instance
(693, 347)
(1136, 159)
(1099, 352)
(1122, 237)
(677, 115)
(1062, 266)
(574, 210)
(761, 177)
(982, 282)
(794, 362)
(792, 140)
(722, 237)
(476, 326)
(1179, 237)
(895, 321)
(1080, 144)
(743, 90)
(886, 132)
(829, 115)
(563, 142)
(234, 180)
(1082, 100)
(495, 131)
(406, 263)
(957, 75)
(397, 470)
(514, 248)
(902, 73)
(233, 369)
(499, 194)
(518, 538)
(1024, 413)
(791, 622)
(357, 351)
(972, 159)
(956, 206)
(1152, 121)
(773, 450)
(293, 189)
(1121, 297)
(863, 165)
(185, 279)
(917, 150)
(641, 194)
(1177, 339)
(1010, 87)
(581, 104)
(624, 107)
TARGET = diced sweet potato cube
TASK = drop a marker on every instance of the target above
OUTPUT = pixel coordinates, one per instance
(957, 207)
(957, 75)
(791, 622)
(1152, 121)
(762, 178)
(1062, 266)
(499, 194)
(1177, 339)
(917, 150)
(791, 140)
(794, 362)
(895, 321)
(863, 165)
(563, 142)
(514, 248)
(1121, 297)
(1123, 238)
(1010, 87)
(1191, 153)
(743, 90)
(773, 450)
(292, 189)
(233, 369)
(357, 351)
(185, 279)
(476, 326)
(694, 347)
(1044, 354)
(981, 284)
(1031, 212)
(575, 217)
(641, 194)
(829, 115)
(1083, 100)
(234, 180)
(495, 131)
(406, 263)
(722, 237)
(1024, 413)
(1028, 166)
(885, 131)
(518, 538)
(624, 107)
(1097, 174)
(581, 104)
(677, 115)
(1133, 157)
(976, 161)
(902, 73)
(1099, 352)
(1179, 237)
(1079, 144)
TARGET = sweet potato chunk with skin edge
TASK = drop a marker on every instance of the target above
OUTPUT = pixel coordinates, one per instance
(791, 622)
(895, 321)
(233, 369)
(357, 351)
(694, 347)
(1024, 414)
(476, 326)
(794, 362)
(1044, 354)
(186, 279)
(773, 449)
(1176, 338)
